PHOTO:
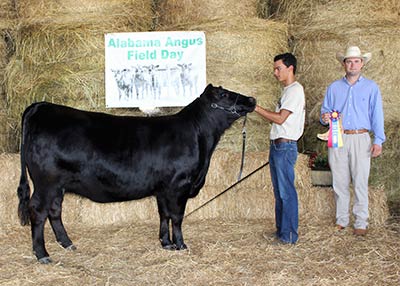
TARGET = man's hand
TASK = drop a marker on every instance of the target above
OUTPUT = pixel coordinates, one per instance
(325, 117)
(376, 150)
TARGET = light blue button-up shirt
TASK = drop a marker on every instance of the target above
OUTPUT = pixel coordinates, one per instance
(360, 105)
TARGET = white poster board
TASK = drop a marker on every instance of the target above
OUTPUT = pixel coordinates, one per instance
(154, 69)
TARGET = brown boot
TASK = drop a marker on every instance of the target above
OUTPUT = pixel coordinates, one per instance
(359, 232)
(339, 227)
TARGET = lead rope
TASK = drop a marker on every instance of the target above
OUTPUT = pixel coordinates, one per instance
(240, 172)
(243, 147)
(227, 189)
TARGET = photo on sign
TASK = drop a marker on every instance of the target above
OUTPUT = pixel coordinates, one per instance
(154, 69)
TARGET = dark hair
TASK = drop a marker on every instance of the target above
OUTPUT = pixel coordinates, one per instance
(288, 60)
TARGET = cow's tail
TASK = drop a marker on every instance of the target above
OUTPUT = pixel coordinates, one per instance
(23, 190)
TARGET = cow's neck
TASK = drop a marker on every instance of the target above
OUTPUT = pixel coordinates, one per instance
(211, 122)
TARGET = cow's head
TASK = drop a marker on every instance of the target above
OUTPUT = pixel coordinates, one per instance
(228, 101)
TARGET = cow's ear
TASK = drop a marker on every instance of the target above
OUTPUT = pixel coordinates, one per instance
(207, 90)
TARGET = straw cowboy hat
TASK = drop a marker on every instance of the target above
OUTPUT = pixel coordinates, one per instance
(353, 52)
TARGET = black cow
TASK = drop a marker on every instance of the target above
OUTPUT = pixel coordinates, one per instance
(110, 158)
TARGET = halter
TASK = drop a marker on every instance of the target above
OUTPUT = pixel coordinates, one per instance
(231, 109)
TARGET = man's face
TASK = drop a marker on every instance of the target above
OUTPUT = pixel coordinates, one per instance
(281, 72)
(353, 66)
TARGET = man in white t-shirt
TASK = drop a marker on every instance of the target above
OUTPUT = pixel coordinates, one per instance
(287, 128)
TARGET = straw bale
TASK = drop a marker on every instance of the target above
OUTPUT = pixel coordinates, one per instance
(7, 14)
(187, 11)
(384, 171)
(4, 129)
(10, 171)
(240, 54)
(320, 29)
(314, 14)
(251, 199)
(3, 53)
(245, 199)
(60, 52)
(318, 66)
(136, 13)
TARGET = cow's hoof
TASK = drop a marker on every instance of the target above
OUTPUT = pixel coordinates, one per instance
(45, 260)
(71, 247)
(169, 247)
(181, 247)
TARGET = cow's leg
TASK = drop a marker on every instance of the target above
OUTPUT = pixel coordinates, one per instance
(164, 223)
(177, 219)
(38, 215)
(171, 208)
(57, 225)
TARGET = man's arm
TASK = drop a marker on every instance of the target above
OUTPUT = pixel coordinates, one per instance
(276, 117)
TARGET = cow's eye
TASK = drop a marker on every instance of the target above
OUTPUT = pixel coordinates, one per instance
(224, 94)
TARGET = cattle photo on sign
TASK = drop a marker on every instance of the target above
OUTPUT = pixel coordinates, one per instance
(109, 158)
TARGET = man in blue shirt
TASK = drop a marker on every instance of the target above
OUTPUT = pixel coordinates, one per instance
(359, 103)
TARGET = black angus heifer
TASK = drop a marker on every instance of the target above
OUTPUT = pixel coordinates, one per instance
(110, 158)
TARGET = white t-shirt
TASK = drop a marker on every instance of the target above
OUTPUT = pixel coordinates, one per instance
(292, 99)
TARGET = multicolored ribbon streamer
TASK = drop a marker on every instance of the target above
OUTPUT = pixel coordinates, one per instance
(335, 130)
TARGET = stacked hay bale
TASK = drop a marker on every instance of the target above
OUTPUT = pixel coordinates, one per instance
(7, 23)
(322, 28)
(240, 50)
(252, 199)
(172, 12)
(60, 51)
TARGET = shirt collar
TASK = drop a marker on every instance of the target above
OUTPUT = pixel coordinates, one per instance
(293, 83)
(361, 78)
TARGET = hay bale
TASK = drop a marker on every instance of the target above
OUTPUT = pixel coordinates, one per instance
(318, 66)
(339, 13)
(4, 129)
(135, 13)
(320, 28)
(382, 171)
(172, 12)
(7, 14)
(240, 54)
(251, 199)
(6, 50)
(241, 201)
(60, 52)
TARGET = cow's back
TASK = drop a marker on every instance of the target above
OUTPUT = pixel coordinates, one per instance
(105, 157)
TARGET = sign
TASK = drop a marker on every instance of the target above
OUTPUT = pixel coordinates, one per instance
(154, 69)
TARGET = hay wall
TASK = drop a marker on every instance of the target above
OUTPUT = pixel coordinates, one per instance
(321, 28)
(60, 56)
(7, 24)
(251, 199)
(3, 102)
(59, 53)
(240, 54)
(191, 11)
(7, 14)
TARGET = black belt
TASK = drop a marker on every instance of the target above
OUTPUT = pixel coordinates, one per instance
(282, 140)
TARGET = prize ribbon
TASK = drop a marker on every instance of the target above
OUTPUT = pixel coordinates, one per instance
(335, 130)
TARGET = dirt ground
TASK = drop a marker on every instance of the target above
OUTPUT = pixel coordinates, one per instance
(220, 253)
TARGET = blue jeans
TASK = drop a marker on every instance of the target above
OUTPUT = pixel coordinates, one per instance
(282, 159)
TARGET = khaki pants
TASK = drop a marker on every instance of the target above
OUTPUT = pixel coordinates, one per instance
(351, 163)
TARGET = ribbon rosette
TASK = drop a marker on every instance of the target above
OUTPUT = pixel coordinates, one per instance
(335, 130)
